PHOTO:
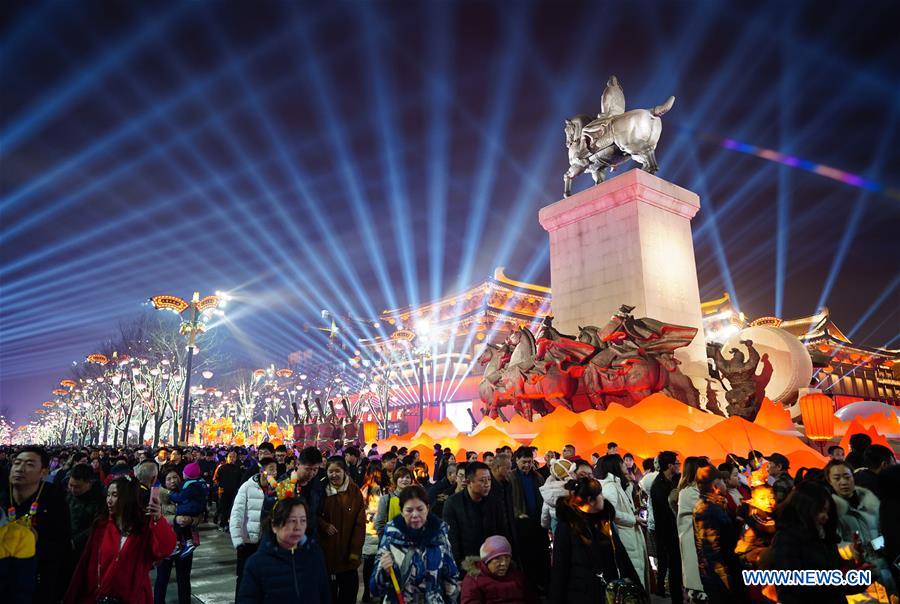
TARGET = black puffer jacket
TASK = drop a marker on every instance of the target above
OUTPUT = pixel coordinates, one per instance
(581, 571)
(279, 576)
(471, 523)
(793, 549)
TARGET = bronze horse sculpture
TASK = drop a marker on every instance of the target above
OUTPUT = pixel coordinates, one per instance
(615, 135)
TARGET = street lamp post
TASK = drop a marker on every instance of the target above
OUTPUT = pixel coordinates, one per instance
(421, 389)
(190, 328)
(424, 340)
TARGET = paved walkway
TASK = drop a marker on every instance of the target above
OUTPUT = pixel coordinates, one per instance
(212, 576)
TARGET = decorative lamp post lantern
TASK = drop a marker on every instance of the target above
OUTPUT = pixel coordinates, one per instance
(190, 327)
(817, 411)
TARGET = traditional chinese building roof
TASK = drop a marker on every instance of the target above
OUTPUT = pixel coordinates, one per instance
(496, 306)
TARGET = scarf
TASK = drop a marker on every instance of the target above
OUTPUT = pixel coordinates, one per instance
(330, 489)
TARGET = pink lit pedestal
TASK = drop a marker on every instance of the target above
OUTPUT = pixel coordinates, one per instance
(626, 241)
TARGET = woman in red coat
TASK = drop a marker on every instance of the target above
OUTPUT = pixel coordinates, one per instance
(122, 549)
(491, 579)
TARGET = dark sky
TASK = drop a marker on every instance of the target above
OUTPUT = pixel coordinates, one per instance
(359, 156)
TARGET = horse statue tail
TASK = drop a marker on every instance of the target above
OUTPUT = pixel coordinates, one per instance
(663, 108)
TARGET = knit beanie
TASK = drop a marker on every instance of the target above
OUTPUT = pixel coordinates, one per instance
(562, 469)
(192, 471)
(493, 547)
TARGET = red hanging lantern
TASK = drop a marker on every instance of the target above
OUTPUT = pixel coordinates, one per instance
(817, 411)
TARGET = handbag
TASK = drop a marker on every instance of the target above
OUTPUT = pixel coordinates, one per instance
(625, 591)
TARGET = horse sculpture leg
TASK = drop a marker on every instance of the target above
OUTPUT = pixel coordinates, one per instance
(597, 401)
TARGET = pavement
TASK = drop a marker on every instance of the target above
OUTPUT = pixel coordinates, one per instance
(212, 575)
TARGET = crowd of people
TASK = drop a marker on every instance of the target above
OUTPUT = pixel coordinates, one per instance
(90, 524)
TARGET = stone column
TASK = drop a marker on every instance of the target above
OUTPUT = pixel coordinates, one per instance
(626, 241)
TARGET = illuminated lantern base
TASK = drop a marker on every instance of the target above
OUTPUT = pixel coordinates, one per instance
(657, 423)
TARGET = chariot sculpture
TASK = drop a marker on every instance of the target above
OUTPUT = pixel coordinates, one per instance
(625, 361)
(599, 144)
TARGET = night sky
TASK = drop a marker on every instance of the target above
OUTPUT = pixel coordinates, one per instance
(358, 156)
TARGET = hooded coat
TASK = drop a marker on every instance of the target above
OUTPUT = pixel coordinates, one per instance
(423, 563)
(582, 570)
(279, 576)
(482, 587)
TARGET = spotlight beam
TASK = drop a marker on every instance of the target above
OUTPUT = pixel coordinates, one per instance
(398, 198)
(312, 206)
(108, 142)
(882, 298)
(859, 208)
(48, 107)
(323, 98)
(497, 120)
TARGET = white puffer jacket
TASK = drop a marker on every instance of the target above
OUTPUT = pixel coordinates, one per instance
(245, 513)
(552, 490)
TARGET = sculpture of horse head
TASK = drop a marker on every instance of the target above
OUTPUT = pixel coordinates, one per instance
(488, 354)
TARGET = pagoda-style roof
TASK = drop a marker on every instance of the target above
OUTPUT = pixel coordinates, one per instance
(814, 328)
(499, 298)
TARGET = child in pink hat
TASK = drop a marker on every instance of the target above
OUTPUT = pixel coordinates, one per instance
(190, 503)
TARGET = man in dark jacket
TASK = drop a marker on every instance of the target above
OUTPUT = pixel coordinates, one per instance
(501, 495)
(470, 515)
(441, 491)
(311, 486)
(779, 479)
(527, 502)
(858, 445)
(86, 502)
(354, 468)
(876, 459)
(667, 548)
(227, 478)
(176, 462)
(50, 520)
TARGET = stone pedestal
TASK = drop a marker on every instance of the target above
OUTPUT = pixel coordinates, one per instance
(626, 241)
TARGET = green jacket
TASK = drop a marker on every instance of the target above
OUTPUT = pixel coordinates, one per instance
(83, 511)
